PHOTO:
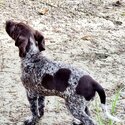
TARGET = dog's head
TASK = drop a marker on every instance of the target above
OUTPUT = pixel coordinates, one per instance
(24, 37)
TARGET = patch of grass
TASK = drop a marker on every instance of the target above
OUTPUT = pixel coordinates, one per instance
(1, 3)
(114, 103)
(98, 117)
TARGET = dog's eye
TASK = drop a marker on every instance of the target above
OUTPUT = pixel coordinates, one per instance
(18, 43)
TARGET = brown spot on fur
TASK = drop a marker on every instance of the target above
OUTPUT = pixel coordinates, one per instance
(87, 87)
(48, 82)
(57, 82)
(61, 77)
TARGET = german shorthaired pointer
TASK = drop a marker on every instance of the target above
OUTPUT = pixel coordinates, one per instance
(42, 77)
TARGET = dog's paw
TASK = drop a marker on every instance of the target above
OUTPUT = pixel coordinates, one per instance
(30, 121)
(76, 122)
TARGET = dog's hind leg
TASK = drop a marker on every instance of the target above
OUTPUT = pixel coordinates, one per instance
(77, 107)
(77, 122)
(36, 107)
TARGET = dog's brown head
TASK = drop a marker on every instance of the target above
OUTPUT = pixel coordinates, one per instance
(22, 34)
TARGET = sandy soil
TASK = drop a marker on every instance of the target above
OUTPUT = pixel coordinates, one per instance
(87, 33)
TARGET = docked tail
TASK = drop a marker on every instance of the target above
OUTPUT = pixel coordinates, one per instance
(102, 96)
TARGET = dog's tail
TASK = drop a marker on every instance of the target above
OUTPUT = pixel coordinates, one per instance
(102, 96)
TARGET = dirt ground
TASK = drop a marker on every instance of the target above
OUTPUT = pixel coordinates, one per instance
(89, 34)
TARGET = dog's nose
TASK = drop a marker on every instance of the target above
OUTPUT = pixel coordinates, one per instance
(8, 22)
(10, 25)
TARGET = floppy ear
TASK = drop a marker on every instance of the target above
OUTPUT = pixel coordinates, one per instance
(41, 41)
(22, 44)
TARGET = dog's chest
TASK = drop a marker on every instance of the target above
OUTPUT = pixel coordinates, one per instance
(31, 77)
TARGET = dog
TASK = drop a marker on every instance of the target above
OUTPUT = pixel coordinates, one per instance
(43, 77)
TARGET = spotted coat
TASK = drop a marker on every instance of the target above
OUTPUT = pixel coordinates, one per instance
(34, 66)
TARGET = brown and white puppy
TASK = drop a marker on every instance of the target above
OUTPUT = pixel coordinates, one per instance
(43, 77)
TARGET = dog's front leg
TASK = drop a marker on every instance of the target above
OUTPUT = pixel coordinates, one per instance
(36, 107)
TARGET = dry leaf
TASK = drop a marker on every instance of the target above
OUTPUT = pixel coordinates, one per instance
(87, 37)
(43, 11)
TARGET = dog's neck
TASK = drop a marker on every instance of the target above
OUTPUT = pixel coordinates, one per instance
(33, 50)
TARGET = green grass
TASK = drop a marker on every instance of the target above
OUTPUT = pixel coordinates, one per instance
(114, 103)
(100, 120)
(1, 3)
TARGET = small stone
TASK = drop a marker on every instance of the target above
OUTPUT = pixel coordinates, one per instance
(87, 37)
(117, 3)
(43, 11)
(118, 22)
